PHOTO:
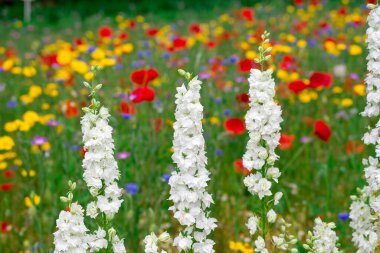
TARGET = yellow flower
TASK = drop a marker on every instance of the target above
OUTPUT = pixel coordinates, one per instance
(250, 54)
(30, 117)
(11, 126)
(51, 90)
(3, 165)
(359, 89)
(45, 106)
(64, 57)
(355, 50)
(304, 97)
(29, 71)
(26, 99)
(6, 143)
(98, 54)
(346, 102)
(244, 45)
(88, 76)
(79, 66)
(35, 91)
(171, 150)
(337, 90)
(32, 200)
(7, 65)
(302, 43)
(46, 146)
(214, 121)
(17, 162)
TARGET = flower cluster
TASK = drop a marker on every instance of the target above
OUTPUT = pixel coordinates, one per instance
(365, 208)
(323, 238)
(151, 242)
(188, 183)
(100, 174)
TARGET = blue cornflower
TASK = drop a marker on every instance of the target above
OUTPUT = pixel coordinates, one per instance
(132, 188)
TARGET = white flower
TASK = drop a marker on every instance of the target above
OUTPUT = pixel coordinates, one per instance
(151, 243)
(71, 234)
(326, 238)
(97, 241)
(277, 197)
(92, 210)
(365, 209)
(260, 245)
(188, 184)
(183, 243)
(279, 242)
(252, 224)
(271, 216)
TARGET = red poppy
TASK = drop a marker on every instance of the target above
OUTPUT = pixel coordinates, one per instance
(308, 121)
(245, 65)
(157, 124)
(238, 164)
(288, 63)
(353, 147)
(143, 77)
(234, 126)
(70, 109)
(319, 79)
(179, 43)
(298, 2)
(210, 44)
(297, 86)
(127, 109)
(371, 1)
(50, 59)
(79, 41)
(322, 130)
(8, 173)
(123, 36)
(286, 141)
(195, 28)
(248, 14)
(105, 32)
(242, 98)
(6, 187)
(4, 227)
(152, 32)
(142, 94)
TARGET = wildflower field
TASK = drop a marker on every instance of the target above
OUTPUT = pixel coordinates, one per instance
(317, 51)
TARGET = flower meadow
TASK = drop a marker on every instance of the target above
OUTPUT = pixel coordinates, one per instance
(254, 129)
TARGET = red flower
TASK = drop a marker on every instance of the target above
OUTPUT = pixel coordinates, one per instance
(151, 32)
(195, 28)
(142, 94)
(127, 109)
(242, 98)
(245, 65)
(322, 130)
(288, 63)
(286, 141)
(210, 44)
(105, 32)
(297, 86)
(8, 173)
(123, 36)
(248, 14)
(70, 109)
(238, 164)
(319, 79)
(143, 77)
(6, 187)
(4, 227)
(234, 126)
(298, 2)
(179, 43)
(82, 151)
(156, 124)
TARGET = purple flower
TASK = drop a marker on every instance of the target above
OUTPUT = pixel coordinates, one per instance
(166, 177)
(39, 140)
(343, 216)
(354, 76)
(12, 103)
(131, 188)
(218, 100)
(227, 112)
(123, 155)
(52, 123)
(306, 139)
(219, 152)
